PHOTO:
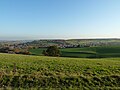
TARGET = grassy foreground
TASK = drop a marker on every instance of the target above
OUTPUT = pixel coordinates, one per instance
(20, 71)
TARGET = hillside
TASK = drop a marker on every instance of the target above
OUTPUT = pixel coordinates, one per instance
(75, 42)
(56, 72)
(85, 52)
(63, 43)
(23, 47)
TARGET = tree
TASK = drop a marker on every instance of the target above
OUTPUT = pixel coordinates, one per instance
(44, 52)
(51, 51)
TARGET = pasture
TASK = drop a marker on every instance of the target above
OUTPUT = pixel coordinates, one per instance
(85, 52)
(21, 71)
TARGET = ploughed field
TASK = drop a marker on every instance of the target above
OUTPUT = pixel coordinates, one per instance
(21, 71)
(85, 52)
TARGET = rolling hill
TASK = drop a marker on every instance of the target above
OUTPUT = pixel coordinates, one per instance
(85, 52)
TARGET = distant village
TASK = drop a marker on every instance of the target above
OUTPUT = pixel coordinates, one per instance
(23, 47)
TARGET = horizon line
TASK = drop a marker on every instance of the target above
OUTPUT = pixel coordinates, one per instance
(57, 39)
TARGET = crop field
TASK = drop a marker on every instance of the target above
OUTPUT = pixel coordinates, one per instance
(86, 52)
(41, 72)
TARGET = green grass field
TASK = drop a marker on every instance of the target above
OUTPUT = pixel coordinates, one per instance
(86, 52)
(21, 71)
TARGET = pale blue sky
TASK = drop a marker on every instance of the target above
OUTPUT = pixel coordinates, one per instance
(63, 19)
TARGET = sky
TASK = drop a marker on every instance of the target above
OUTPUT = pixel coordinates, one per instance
(59, 19)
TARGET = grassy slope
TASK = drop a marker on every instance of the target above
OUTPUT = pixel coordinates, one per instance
(91, 51)
(85, 52)
(56, 72)
(37, 51)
